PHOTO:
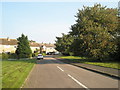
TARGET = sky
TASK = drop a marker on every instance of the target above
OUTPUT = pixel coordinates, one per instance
(41, 21)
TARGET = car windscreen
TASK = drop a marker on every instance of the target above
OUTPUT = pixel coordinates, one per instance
(39, 55)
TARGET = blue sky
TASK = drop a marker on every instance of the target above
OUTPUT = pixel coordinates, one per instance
(40, 21)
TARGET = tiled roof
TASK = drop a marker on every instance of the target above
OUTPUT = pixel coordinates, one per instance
(49, 45)
(7, 41)
(34, 44)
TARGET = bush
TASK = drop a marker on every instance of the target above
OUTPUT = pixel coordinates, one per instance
(4, 56)
(0, 56)
(13, 55)
(35, 54)
(71, 53)
(44, 54)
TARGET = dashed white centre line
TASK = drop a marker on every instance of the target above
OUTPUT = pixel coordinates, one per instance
(60, 68)
(75, 79)
(78, 82)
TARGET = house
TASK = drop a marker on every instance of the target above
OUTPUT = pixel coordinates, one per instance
(35, 46)
(49, 48)
(10, 45)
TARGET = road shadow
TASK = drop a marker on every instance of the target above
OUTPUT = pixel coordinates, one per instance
(49, 61)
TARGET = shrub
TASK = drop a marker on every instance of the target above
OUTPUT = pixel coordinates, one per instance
(4, 56)
(0, 56)
(13, 55)
(43, 54)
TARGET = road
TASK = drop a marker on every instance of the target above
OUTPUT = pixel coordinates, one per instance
(52, 73)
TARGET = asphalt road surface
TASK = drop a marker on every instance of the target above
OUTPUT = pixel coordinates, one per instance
(52, 73)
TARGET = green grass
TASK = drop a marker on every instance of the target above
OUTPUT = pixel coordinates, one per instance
(105, 63)
(115, 65)
(15, 72)
(72, 57)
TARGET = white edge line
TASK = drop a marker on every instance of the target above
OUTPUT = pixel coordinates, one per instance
(78, 82)
(60, 68)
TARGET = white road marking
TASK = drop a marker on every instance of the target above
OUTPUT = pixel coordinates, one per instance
(78, 82)
(60, 68)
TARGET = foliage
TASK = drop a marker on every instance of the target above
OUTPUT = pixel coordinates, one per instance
(41, 49)
(0, 56)
(35, 52)
(5, 56)
(95, 28)
(23, 49)
(13, 56)
(117, 54)
(93, 34)
(44, 54)
(118, 41)
(63, 44)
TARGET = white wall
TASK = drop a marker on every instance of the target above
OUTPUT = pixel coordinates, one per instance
(8, 48)
(34, 48)
(50, 49)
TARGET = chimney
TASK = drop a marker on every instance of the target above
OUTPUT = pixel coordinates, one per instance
(8, 39)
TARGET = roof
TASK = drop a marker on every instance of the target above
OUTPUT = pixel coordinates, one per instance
(49, 45)
(34, 44)
(7, 41)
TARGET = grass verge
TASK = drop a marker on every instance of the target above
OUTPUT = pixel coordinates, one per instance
(105, 63)
(15, 72)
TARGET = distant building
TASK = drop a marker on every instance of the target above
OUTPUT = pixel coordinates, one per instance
(10, 45)
(49, 48)
(35, 46)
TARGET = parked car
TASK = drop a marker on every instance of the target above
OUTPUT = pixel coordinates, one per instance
(40, 56)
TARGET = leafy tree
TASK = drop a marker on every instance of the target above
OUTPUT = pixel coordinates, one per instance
(63, 44)
(93, 34)
(117, 54)
(23, 49)
(94, 31)
(35, 53)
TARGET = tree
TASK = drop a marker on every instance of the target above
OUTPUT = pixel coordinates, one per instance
(94, 31)
(23, 49)
(117, 54)
(94, 34)
(63, 44)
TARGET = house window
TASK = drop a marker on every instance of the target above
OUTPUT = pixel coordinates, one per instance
(15, 46)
